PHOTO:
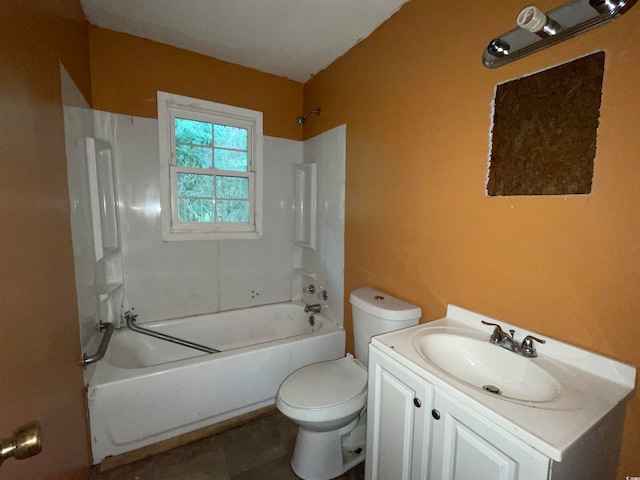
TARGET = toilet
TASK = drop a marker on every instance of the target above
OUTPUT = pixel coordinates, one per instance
(327, 400)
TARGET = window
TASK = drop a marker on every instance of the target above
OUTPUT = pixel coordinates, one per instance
(211, 169)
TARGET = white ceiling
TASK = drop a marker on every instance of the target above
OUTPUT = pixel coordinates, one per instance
(290, 38)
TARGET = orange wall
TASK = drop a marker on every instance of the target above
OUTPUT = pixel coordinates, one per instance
(417, 104)
(127, 71)
(39, 338)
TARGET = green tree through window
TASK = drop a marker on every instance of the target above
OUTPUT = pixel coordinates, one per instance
(206, 197)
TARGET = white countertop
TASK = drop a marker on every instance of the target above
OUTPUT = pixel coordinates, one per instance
(592, 385)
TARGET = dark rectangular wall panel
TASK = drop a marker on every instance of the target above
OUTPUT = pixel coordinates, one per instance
(545, 130)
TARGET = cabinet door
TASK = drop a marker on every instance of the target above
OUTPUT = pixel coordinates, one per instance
(397, 433)
(468, 447)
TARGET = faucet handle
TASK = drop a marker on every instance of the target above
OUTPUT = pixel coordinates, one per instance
(492, 324)
(528, 341)
(528, 349)
(498, 334)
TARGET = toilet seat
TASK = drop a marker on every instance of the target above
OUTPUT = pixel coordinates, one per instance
(324, 391)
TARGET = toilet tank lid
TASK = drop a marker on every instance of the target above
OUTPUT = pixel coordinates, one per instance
(383, 305)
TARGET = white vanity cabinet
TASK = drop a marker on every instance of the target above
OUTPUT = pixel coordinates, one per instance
(556, 416)
(415, 432)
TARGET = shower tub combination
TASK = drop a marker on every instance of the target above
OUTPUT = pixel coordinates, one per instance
(146, 390)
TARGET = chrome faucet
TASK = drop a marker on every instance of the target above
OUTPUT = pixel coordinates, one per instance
(506, 340)
(313, 308)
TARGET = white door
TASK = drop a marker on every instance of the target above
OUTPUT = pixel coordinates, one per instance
(397, 430)
(468, 447)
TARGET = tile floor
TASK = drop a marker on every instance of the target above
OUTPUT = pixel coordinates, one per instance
(260, 450)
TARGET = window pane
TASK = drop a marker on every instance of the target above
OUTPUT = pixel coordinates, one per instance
(187, 156)
(232, 187)
(231, 160)
(232, 211)
(194, 185)
(230, 137)
(192, 131)
(195, 210)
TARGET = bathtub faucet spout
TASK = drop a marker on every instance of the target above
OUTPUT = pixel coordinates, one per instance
(313, 308)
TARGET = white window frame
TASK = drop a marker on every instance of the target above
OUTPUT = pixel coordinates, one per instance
(171, 106)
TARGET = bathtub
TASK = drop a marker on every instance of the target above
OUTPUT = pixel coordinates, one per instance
(146, 390)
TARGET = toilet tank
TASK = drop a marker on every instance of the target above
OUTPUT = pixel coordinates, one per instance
(375, 312)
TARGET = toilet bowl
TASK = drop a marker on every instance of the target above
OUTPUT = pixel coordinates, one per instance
(327, 400)
(326, 395)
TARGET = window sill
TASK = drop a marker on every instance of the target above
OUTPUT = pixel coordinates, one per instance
(186, 236)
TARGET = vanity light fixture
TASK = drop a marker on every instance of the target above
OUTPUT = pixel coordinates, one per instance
(537, 30)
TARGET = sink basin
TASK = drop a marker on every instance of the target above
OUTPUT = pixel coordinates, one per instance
(487, 366)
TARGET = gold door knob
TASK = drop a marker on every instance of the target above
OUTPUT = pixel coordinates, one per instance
(25, 442)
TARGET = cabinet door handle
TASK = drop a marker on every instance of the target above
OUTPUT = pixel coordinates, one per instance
(417, 402)
(435, 414)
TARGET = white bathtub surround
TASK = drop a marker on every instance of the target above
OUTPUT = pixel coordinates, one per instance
(94, 222)
(147, 390)
(78, 125)
(326, 260)
(166, 280)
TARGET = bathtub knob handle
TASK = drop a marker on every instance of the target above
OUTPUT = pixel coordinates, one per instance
(311, 289)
